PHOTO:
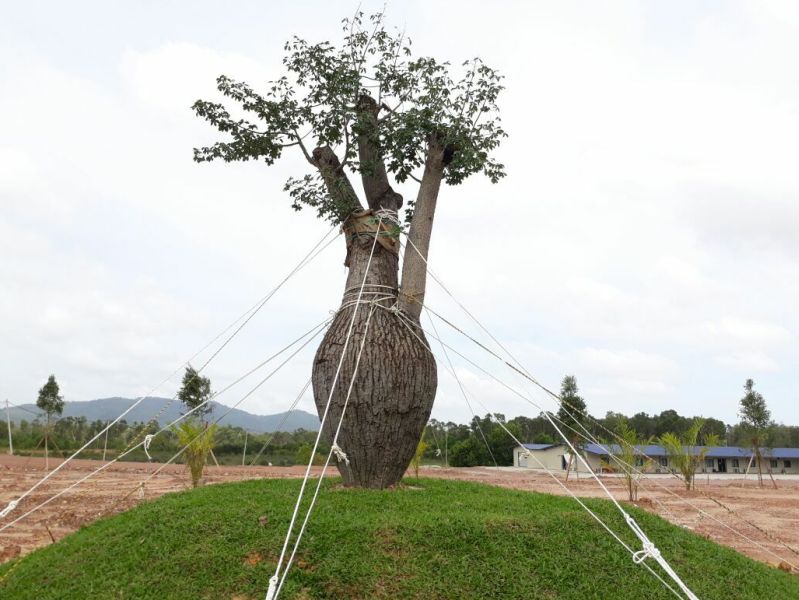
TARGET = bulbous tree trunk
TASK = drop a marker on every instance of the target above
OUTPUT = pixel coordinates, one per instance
(395, 383)
(369, 110)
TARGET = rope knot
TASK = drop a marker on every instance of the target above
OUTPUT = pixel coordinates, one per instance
(386, 214)
(147, 439)
(11, 506)
(270, 593)
(650, 550)
(341, 456)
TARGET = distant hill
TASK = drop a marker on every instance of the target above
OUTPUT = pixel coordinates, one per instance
(106, 409)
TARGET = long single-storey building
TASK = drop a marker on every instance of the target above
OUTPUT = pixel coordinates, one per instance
(655, 459)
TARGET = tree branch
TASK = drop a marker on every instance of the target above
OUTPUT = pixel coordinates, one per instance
(303, 148)
(414, 266)
(336, 181)
(378, 190)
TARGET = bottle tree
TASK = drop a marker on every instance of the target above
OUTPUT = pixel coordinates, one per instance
(368, 109)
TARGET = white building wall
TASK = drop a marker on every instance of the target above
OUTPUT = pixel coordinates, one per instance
(553, 459)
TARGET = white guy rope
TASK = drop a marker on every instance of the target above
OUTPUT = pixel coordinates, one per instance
(649, 548)
(635, 470)
(111, 462)
(305, 260)
(273, 581)
(334, 449)
(521, 370)
(644, 540)
(230, 409)
(410, 325)
(286, 415)
(463, 393)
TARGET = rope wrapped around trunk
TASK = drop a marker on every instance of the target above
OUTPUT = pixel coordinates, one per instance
(365, 223)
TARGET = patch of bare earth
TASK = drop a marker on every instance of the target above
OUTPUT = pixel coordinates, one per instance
(773, 513)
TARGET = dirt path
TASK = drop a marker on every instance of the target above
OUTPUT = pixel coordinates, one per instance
(774, 513)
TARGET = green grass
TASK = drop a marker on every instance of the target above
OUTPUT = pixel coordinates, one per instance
(431, 540)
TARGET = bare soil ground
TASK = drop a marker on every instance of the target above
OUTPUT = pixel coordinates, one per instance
(768, 517)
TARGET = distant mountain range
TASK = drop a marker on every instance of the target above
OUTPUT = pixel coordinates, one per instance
(107, 409)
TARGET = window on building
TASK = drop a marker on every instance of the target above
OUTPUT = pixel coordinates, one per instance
(773, 464)
(664, 461)
(709, 463)
(639, 461)
(735, 464)
(786, 464)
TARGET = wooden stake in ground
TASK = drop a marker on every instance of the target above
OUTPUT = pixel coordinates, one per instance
(46, 451)
(8, 421)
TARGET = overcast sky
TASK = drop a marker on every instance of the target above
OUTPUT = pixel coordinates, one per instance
(645, 238)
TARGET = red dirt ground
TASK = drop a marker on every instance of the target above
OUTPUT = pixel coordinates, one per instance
(772, 515)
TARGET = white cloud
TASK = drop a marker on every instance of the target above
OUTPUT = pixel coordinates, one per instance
(746, 332)
(643, 240)
(631, 363)
(748, 362)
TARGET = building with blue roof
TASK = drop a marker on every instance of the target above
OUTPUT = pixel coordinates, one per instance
(654, 459)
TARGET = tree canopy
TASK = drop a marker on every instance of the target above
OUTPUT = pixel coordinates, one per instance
(195, 389)
(49, 399)
(753, 411)
(572, 411)
(368, 107)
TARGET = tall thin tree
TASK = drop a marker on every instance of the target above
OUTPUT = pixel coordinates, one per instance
(369, 109)
(52, 403)
(572, 414)
(195, 391)
(756, 421)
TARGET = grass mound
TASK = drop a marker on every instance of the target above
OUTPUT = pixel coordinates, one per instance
(434, 540)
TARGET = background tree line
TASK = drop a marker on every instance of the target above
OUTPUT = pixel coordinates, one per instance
(482, 441)
(70, 433)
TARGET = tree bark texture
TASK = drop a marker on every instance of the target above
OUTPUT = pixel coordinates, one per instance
(414, 268)
(395, 383)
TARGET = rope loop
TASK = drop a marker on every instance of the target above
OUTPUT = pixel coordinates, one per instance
(146, 444)
(11, 506)
(270, 593)
(386, 214)
(650, 550)
(341, 456)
